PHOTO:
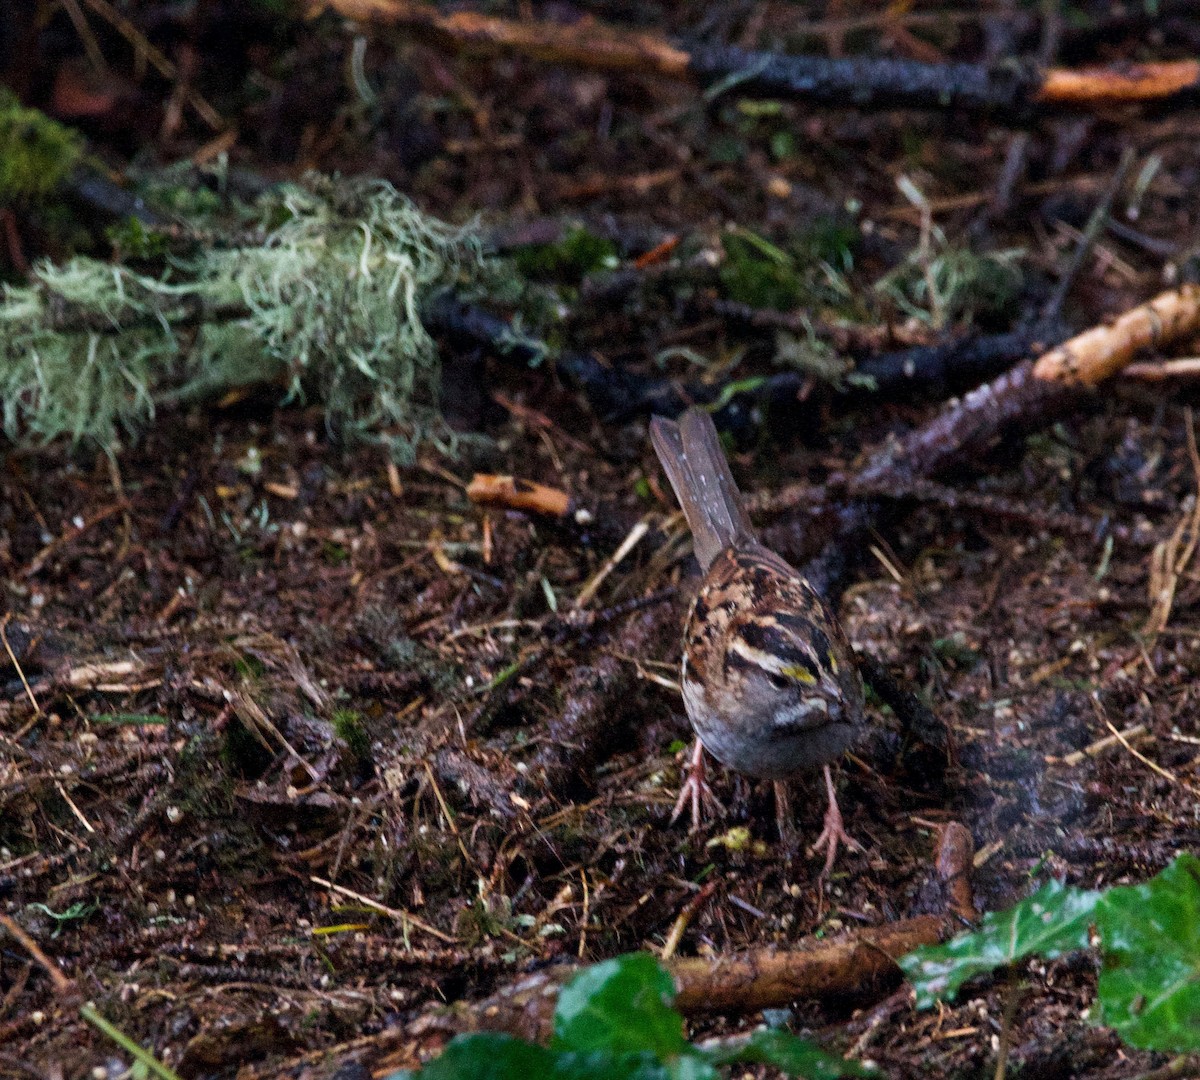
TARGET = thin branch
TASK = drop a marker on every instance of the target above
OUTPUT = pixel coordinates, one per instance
(1008, 92)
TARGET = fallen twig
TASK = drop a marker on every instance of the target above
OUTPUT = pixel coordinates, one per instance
(1007, 91)
(763, 979)
(43, 556)
(1172, 556)
(1035, 391)
(592, 586)
(855, 964)
(1183, 367)
(62, 985)
(404, 918)
(1076, 757)
(615, 394)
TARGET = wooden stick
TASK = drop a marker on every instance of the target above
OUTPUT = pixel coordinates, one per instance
(1033, 392)
(1182, 367)
(1098, 354)
(1093, 86)
(631, 541)
(766, 978)
(402, 917)
(62, 985)
(583, 44)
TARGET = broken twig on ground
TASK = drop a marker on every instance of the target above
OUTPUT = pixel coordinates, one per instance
(1010, 92)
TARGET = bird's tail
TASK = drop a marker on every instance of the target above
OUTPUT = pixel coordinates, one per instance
(694, 462)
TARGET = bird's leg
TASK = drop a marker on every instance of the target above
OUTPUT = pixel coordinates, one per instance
(835, 831)
(696, 790)
(785, 820)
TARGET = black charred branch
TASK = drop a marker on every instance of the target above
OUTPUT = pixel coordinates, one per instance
(869, 83)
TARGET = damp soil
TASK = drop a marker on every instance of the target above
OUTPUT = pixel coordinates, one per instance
(297, 744)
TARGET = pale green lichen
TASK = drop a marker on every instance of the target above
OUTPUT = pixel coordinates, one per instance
(326, 304)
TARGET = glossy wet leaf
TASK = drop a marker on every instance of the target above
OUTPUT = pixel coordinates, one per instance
(620, 1005)
(1054, 920)
(1150, 985)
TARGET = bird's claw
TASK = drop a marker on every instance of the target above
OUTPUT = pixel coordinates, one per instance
(695, 790)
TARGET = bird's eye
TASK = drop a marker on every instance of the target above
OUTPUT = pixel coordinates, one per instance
(780, 682)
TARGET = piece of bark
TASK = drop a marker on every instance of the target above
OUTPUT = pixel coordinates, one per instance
(956, 852)
(513, 493)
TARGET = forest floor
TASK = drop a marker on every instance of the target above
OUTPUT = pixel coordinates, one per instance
(296, 744)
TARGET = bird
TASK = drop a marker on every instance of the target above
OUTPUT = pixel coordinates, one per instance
(769, 679)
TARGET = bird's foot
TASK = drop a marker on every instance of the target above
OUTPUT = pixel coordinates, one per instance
(834, 833)
(695, 790)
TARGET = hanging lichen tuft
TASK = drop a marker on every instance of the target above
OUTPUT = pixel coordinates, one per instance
(326, 303)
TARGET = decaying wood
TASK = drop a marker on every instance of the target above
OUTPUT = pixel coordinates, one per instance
(956, 852)
(513, 493)
(1006, 91)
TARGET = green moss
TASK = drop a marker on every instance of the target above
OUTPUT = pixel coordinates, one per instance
(579, 252)
(36, 153)
(758, 273)
(829, 240)
(133, 240)
(810, 271)
(351, 728)
(943, 283)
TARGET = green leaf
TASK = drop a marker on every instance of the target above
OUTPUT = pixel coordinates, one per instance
(1054, 920)
(785, 1051)
(1150, 984)
(622, 1005)
(601, 1065)
(485, 1056)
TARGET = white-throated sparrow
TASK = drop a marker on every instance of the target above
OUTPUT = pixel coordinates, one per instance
(769, 680)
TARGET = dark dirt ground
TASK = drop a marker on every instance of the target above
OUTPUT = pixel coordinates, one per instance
(262, 664)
